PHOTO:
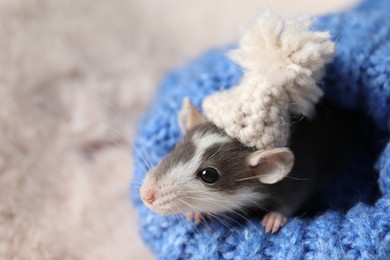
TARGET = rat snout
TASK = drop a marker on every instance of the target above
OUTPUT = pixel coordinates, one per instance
(149, 195)
(147, 191)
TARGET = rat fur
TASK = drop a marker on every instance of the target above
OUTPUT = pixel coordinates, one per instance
(177, 189)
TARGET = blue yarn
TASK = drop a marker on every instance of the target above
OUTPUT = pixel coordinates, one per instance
(355, 219)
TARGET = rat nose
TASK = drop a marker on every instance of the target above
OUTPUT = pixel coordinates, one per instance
(149, 196)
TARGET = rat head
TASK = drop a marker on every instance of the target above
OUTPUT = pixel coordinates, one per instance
(208, 171)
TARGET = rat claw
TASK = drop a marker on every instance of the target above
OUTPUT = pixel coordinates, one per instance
(194, 216)
(197, 217)
(190, 216)
(273, 221)
(265, 220)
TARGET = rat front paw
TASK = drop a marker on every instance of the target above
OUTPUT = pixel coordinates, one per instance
(273, 221)
(197, 217)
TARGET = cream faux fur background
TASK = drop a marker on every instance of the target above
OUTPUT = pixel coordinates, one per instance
(74, 78)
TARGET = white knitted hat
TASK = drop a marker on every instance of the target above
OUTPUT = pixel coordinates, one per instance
(282, 60)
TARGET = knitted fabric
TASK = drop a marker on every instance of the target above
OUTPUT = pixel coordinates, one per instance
(352, 218)
(283, 60)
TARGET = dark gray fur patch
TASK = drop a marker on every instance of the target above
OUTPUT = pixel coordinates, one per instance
(181, 153)
(227, 158)
(230, 161)
(184, 151)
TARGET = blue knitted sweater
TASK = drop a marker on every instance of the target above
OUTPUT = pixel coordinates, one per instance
(353, 220)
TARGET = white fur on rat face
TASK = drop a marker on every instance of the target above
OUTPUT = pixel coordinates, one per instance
(179, 189)
(210, 172)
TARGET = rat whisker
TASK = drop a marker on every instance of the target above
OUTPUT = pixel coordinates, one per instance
(298, 179)
(137, 182)
(220, 219)
(210, 200)
(131, 143)
(207, 200)
(192, 207)
(123, 147)
(252, 177)
(247, 178)
(277, 198)
(212, 239)
(147, 156)
(193, 225)
(219, 149)
(207, 212)
(123, 118)
(177, 218)
(242, 216)
(257, 204)
(289, 177)
(216, 203)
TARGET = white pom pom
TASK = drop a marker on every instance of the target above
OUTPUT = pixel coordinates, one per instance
(283, 60)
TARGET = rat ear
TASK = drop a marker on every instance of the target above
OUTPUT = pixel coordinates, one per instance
(189, 117)
(271, 165)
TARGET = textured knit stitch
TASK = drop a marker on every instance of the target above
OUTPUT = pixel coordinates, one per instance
(283, 61)
(353, 222)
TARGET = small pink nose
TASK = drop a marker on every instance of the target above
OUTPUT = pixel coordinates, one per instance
(149, 196)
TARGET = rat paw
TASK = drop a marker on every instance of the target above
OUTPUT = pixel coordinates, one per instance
(197, 217)
(273, 221)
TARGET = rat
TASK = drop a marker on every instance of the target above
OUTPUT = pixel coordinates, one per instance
(241, 153)
(208, 172)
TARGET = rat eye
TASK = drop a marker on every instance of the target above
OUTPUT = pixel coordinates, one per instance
(208, 175)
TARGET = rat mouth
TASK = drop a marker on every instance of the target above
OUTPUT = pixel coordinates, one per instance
(167, 203)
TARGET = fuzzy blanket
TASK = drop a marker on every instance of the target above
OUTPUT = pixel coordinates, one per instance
(69, 96)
